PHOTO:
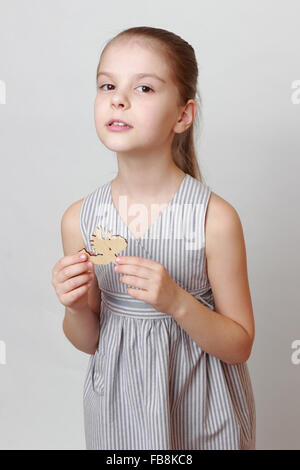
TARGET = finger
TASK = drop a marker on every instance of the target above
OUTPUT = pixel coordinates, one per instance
(135, 270)
(142, 295)
(137, 260)
(75, 282)
(135, 282)
(70, 297)
(68, 260)
(74, 270)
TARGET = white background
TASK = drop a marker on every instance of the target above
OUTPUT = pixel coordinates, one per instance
(248, 58)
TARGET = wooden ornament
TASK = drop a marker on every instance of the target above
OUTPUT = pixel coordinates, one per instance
(107, 248)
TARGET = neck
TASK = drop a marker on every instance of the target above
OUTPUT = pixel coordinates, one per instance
(150, 183)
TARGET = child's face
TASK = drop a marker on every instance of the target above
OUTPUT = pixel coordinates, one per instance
(153, 114)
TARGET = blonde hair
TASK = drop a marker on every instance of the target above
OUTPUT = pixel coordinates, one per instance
(181, 58)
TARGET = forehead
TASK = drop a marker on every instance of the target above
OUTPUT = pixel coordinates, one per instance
(134, 55)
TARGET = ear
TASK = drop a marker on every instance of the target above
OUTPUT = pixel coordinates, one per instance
(185, 117)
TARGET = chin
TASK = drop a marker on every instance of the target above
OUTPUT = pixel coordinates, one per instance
(114, 147)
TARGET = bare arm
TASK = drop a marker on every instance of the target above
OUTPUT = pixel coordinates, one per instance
(227, 333)
(81, 326)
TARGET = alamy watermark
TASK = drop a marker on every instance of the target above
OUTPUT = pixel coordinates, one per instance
(295, 357)
(295, 96)
(180, 221)
(2, 92)
(2, 352)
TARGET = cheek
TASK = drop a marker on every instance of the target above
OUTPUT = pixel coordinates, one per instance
(154, 120)
(163, 115)
(99, 110)
(159, 127)
(97, 114)
(152, 132)
(99, 119)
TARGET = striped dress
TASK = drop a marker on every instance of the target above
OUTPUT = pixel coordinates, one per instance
(149, 385)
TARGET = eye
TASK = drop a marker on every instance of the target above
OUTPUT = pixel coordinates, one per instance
(145, 86)
(105, 84)
(141, 86)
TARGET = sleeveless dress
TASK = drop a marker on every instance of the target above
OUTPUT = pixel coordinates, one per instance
(149, 385)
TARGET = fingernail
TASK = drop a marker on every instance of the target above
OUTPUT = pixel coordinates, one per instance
(118, 259)
(83, 256)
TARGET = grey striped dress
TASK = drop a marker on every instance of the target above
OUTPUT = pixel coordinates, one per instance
(149, 385)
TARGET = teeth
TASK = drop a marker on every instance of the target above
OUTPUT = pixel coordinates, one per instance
(119, 124)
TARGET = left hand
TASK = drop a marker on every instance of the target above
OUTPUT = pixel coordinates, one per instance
(159, 289)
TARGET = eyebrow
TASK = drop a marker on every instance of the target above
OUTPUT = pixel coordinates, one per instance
(140, 75)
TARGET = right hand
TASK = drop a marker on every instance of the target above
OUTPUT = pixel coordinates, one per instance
(71, 279)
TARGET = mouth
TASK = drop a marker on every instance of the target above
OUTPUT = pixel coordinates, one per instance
(119, 123)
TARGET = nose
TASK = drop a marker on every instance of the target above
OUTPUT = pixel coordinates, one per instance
(117, 105)
(119, 100)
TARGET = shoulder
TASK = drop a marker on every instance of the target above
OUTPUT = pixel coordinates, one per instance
(227, 265)
(74, 210)
(70, 228)
(76, 216)
(222, 225)
(72, 213)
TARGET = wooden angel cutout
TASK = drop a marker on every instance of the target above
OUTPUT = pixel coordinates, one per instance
(107, 248)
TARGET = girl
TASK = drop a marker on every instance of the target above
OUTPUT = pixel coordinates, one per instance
(170, 325)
